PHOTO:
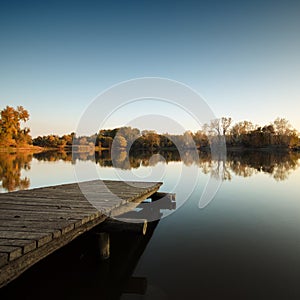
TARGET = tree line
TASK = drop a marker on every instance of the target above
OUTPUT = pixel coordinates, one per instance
(279, 133)
(245, 134)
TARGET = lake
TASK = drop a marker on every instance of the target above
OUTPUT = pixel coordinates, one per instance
(244, 244)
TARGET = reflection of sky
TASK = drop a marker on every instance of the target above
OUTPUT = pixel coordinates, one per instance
(246, 241)
(243, 57)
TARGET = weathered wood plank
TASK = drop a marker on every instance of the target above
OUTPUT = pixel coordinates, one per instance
(38, 209)
(3, 259)
(55, 232)
(41, 238)
(13, 251)
(67, 204)
(26, 245)
(41, 215)
(35, 225)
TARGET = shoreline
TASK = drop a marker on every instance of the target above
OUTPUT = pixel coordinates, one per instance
(29, 148)
(38, 149)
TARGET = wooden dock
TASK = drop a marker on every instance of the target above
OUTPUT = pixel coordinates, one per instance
(35, 223)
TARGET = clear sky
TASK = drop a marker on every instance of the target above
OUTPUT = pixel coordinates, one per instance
(243, 57)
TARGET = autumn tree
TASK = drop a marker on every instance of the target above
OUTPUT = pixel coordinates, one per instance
(243, 127)
(200, 139)
(119, 142)
(282, 126)
(166, 141)
(285, 134)
(151, 139)
(130, 134)
(11, 133)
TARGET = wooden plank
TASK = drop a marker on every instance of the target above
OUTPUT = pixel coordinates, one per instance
(41, 238)
(3, 259)
(13, 251)
(60, 192)
(42, 215)
(55, 232)
(45, 219)
(73, 221)
(26, 245)
(15, 207)
(63, 226)
(59, 204)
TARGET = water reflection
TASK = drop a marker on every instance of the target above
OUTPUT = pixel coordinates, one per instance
(11, 166)
(279, 165)
(52, 156)
(245, 164)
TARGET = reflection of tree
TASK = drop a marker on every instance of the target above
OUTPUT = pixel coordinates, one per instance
(11, 166)
(66, 156)
(241, 169)
(53, 156)
(245, 164)
(283, 169)
(217, 168)
(220, 171)
(238, 163)
(119, 158)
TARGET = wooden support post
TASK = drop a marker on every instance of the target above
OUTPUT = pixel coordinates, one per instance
(104, 245)
(124, 224)
(158, 195)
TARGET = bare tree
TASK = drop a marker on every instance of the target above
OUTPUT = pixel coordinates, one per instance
(225, 124)
(218, 126)
(215, 126)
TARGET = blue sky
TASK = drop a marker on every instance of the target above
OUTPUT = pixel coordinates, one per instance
(243, 57)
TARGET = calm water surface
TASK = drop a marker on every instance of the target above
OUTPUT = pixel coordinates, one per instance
(244, 245)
